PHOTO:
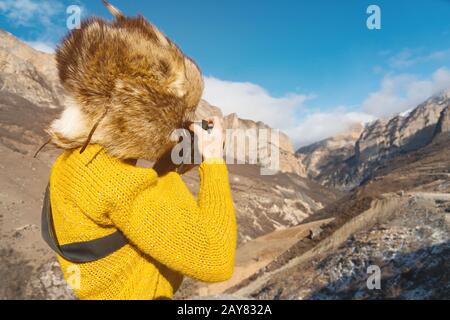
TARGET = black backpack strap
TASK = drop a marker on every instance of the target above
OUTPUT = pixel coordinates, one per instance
(78, 252)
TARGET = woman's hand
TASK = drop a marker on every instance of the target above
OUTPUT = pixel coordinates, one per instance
(210, 144)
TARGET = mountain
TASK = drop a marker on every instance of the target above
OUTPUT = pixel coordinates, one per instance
(30, 94)
(30, 97)
(250, 130)
(397, 221)
(320, 159)
(28, 73)
(380, 141)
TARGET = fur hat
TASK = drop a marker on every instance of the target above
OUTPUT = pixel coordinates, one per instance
(129, 87)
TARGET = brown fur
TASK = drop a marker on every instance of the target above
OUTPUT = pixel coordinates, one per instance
(132, 70)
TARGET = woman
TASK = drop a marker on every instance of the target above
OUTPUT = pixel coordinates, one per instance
(129, 88)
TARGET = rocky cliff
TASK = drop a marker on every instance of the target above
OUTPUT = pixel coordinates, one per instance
(250, 130)
(28, 73)
(381, 140)
(405, 238)
(443, 126)
(322, 158)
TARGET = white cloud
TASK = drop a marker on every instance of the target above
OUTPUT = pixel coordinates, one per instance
(30, 12)
(317, 126)
(42, 46)
(40, 17)
(400, 92)
(409, 57)
(251, 101)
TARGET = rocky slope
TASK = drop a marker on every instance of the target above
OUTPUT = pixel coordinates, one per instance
(28, 73)
(406, 237)
(380, 141)
(320, 159)
(443, 126)
(398, 220)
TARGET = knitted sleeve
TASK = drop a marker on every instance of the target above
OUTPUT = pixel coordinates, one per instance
(194, 237)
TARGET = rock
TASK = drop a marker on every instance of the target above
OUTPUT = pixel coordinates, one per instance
(383, 140)
(288, 161)
(401, 193)
(443, 126)
(321, 158)
(410, 246)
(51, 283)
(205, 110)
(314, 233)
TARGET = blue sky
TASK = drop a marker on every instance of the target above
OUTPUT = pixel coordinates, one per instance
(311, 68)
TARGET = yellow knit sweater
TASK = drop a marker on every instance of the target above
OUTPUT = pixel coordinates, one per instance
(171, 234)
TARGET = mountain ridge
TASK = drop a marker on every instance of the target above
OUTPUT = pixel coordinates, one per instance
(378, 142)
